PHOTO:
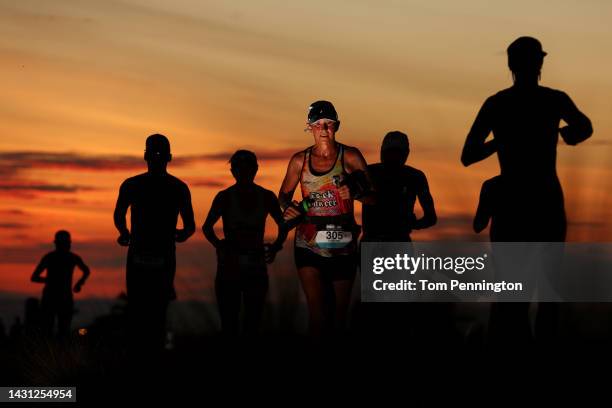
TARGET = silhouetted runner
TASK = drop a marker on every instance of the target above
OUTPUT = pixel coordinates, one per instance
(398, 186)
(391, 219)
(155, 199)
(242, 255)
(524, 120)
(497, 204)
(331, 176)
(57, 300)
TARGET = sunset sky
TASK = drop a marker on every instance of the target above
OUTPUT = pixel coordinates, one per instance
(84, 82)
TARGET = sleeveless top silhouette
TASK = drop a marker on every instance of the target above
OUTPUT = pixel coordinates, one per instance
(60, 268)
(525, 125)
(397, 188)
(243, 211)
(155, 204)
(244, 215)
(328, 227)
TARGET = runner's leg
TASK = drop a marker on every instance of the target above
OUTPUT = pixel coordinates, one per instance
(313, 289)
(254, 301)
(64, 319)
(342, 292)
(228, 300)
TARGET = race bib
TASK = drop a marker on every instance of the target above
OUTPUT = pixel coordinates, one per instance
(333, 238)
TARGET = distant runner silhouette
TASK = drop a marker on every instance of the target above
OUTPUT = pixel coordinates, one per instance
(391, 218)
(242, 255)
(497, 206)
(527, 197)
(57, 301)
(155, 198)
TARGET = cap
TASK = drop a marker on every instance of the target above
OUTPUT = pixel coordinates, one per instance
(321, 110)
(526, 46)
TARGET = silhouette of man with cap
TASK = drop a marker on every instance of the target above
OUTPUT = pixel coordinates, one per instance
(57, 300)
(525, 120)
(391, 218)
(156, 199)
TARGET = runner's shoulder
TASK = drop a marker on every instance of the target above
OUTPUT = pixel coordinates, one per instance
(297, 159)
(351, 151)
(75, 258)
(264, 191)
(268, 195)
(177, 181)
(509, 93)
(414, 174)
(552, 91)
(492, 183)
(353, 159)
(375, 167)
(499, 96)
(134, 180)
(299, 156)
(259, 190)
(48, 256)
(559, 96)
(221, 196)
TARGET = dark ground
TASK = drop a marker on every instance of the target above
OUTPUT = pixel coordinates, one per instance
(432, 365)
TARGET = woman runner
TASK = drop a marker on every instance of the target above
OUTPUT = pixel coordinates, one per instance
(331, 176)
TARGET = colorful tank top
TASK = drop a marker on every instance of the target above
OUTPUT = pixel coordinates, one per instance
(329, 227)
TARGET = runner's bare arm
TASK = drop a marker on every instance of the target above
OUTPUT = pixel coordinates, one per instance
(426, 201)
(86, 272)
(120, 212)
(36, 276)
(475, 148)
(211, 219)
(186, 212)
(277, 215)
(356, 165)
(290, 182)
(579, 127)
(483, 211)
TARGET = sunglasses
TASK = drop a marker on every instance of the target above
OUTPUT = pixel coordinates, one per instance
(320, 125)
